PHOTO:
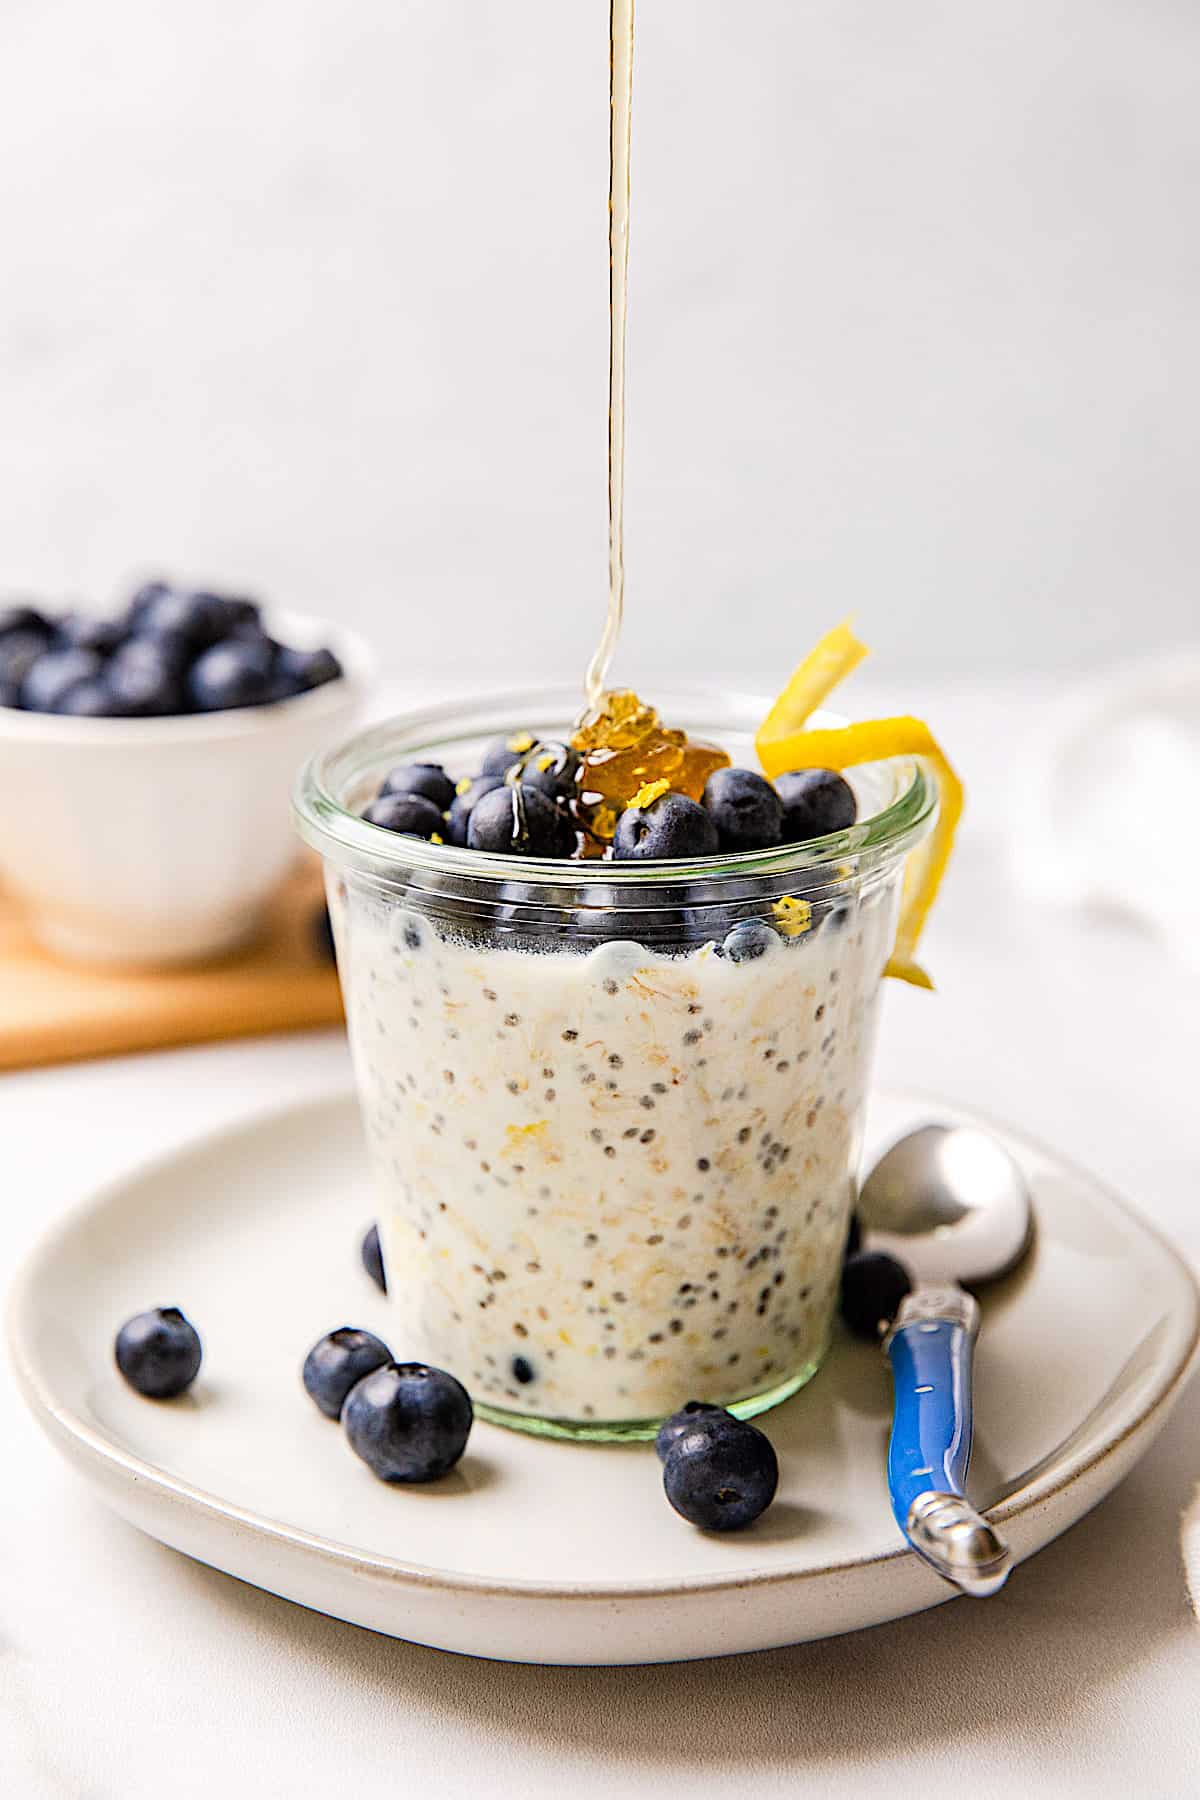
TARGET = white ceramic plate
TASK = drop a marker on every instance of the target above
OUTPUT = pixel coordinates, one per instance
(540, 1551)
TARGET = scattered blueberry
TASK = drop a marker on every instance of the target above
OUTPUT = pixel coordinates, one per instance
(671, 826)
(853, 1237)
(158, 1352)
(408, 814)
(462, 806)
(873, 1285)
(299, 671)
(522, 1370)
(519, 823)
(408, 1422)
(372, 1258)
(722, 1476)
(143, 678)
(702, 1413)
(231, 674)
(748, 940)
(745, 809)
(19, 650)
(339, 1360)
(429, 780)
(51, 678)
(815, 802)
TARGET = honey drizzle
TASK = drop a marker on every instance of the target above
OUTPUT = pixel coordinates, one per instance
(620, 127)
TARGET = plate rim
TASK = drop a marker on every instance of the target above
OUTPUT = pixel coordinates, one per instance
(68, 1430)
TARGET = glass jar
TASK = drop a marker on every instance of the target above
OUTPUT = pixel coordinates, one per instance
(613, 1109)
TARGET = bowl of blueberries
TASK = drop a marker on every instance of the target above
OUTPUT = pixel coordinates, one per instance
(145, 762)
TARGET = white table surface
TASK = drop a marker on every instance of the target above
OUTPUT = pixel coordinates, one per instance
(127, 1671)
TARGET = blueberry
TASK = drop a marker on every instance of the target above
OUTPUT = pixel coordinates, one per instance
(10, 693)
(696, 1413)
(339, 1360)
(408, 814)
(551, 768)
(372, 1258)
(408, 1422)
(873, 1285)
(158, 1352)
(522, 1370)
(721, 1477)
(299, 671)
(504, 752)
(745, 809)
(229, 675)
(143, 678)
(14, 617)
(462, 806)
(202, 619)
(671, 826)
(518, 823)
(143, 599)
(19, 650)
(429, 780)
(815, 801)
(853, 1237)
(233, 611)
(51, 678)
(748, 940)
(87, 631)
(90, 700)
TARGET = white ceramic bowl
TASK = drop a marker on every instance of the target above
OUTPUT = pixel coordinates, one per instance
(156, 841)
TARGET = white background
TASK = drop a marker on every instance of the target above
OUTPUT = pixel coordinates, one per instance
(312, 298)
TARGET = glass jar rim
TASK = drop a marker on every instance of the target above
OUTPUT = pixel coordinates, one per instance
(331, 827)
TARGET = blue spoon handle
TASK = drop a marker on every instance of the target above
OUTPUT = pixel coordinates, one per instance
(930, 1349)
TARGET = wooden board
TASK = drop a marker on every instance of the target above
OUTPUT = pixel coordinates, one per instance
(52, 1011)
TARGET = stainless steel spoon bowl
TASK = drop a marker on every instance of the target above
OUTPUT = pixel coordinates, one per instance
(950, 1204)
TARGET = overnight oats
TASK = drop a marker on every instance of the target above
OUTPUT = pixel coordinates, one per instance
(611, 1003)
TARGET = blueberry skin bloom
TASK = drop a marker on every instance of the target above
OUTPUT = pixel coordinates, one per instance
(463, 805)
(693, 1414)
(409, 814)
(815, 802)
(231, 674)
(873, 1285)
(520, 824)
(745, 809)
(671, 826)
(51, 678)
(721, 1477)
(158, 1352)
(143, 677)
(429, 780)
(336, 1362)
(748, 940)
(408, 1422)
(500, 755)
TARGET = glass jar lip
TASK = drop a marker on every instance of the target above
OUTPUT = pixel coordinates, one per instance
(329, 826)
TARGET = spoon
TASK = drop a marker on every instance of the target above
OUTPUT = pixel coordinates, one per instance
(953, 1207)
